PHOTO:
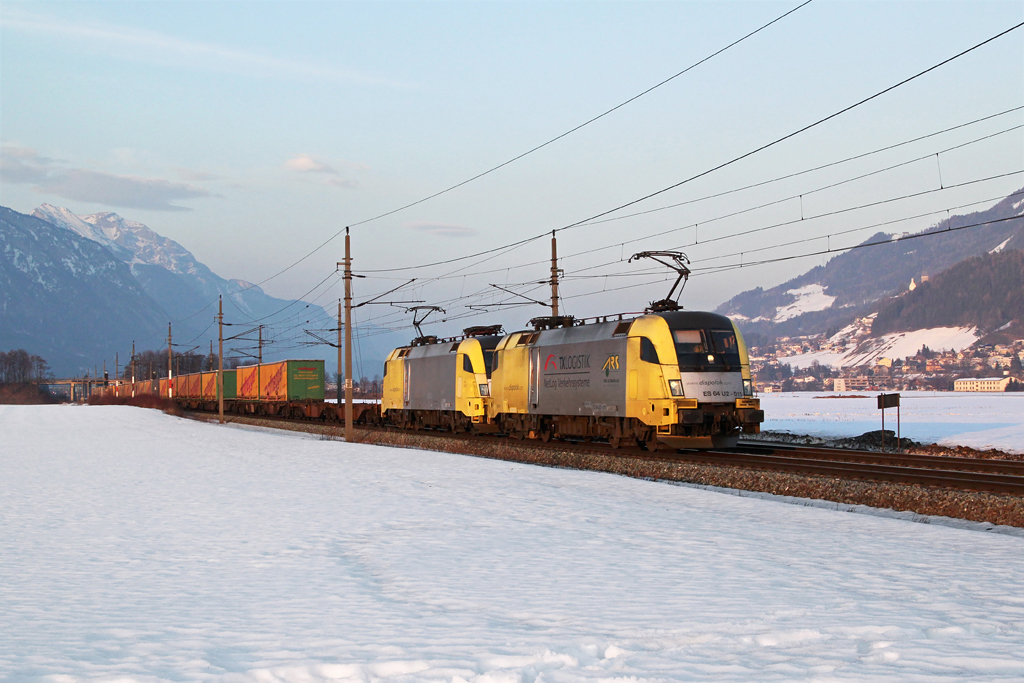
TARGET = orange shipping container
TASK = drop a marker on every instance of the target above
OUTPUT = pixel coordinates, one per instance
(195, 386)
(274, 381)
(209, 388)
(248, 382)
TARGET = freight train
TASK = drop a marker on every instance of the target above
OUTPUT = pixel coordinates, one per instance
(669, 378)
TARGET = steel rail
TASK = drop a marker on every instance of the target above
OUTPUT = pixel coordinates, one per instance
(883, 458)
(949, 478)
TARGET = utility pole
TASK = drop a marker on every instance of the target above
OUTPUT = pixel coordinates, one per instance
(220, 358)
(259, 357)
(117, 369)
(211, 354)
(170, 365)
(554, 276)
(106, 379)
(133, 368)
(348, 338)
(340, 328)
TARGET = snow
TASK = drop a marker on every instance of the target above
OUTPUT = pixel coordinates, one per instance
(142, 547)
(808, 298)
(978, 420)
(893, 345)
(1001, 245)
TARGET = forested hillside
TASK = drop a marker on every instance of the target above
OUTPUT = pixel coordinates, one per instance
(985, 292)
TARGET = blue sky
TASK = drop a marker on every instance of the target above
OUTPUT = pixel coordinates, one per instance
(252, 132)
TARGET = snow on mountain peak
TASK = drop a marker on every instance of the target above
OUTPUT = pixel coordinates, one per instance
(130, 241)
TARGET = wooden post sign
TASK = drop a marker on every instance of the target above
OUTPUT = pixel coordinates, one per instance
(890, 401)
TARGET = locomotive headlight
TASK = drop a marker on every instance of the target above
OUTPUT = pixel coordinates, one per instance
(485, 390)
(675, 387)
(748, 388)
(711, 358)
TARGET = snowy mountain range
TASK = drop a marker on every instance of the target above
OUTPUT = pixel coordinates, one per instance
(861, 281)
(167, 271)
(78, 288)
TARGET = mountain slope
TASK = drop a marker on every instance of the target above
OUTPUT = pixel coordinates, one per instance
(851, 284)
(65, 297)
(985, 292)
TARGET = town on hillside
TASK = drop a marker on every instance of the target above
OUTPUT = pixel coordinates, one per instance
(852, 360)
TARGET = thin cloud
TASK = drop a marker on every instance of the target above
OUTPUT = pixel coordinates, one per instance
(442, 229)
(133, 43)
(22, 165)
(131, 192)
(195, 176)
(344, 183)
(304, 163)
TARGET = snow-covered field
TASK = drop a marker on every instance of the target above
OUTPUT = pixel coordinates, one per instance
(982, 420)
(140, 547)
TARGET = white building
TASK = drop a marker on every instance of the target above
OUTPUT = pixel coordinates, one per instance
(982, 384)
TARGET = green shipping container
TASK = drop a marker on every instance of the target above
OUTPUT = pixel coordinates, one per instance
(230, 384)
(305, 380)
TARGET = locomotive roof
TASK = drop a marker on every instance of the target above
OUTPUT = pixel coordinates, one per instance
(442, 348)
(681, 320)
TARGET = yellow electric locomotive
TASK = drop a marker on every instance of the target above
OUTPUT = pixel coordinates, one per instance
(678, 378)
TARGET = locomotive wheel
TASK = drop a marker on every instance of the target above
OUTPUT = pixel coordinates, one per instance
(650, 445)
(615, 442)
(546, 435)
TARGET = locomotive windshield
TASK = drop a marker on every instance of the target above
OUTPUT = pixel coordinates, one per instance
(706, 350)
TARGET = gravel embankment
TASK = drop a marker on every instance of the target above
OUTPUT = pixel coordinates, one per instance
(976, 506)
(872, 441)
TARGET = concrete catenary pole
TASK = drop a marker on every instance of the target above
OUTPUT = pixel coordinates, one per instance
(348, 338)
(220, 359)
(340, 329)
(133, 368)
(554, 276)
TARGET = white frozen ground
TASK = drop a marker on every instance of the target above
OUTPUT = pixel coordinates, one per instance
(978, 420)
(141, 547)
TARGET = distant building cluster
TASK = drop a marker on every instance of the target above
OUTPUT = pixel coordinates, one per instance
(981, 368)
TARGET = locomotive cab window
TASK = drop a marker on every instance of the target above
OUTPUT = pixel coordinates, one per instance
(490, 362)
(467, 364)
(725, 344)
(726, 348)
(690, 349)
(706, 350)
(648, 353)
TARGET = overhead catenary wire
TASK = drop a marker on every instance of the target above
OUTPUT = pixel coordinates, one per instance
(706, 221)
(729, 162)
(535, 148)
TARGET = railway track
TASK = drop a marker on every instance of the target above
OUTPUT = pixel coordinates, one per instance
(970, 474)
(926, 470)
